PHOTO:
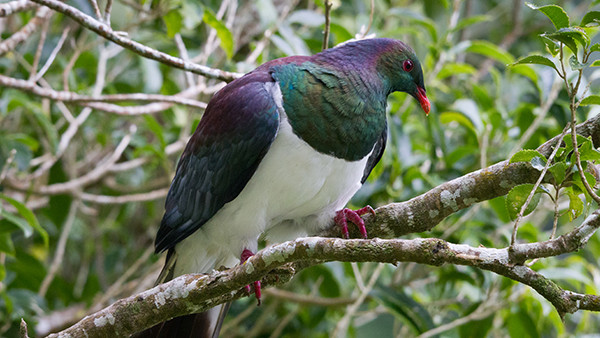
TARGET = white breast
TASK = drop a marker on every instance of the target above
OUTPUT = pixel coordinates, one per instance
(294, 191)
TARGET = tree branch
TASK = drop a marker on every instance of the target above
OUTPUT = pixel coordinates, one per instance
(66, 96)
(16, 6)
(195, 292)
(423, 212)
(106, 31)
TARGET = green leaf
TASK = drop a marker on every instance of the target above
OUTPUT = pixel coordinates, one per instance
(174, 22)
(222, 32)
(6, 244)
(18, 221)
(427, 24)
(49, 129)
(559, 171)
(447, 117)
(575, 64)
(404, 307)
(595, 63)
(555, 13)
(527, 155)
(595, 47)
(450, 69)
(471, 21)
(525, 71)
(587, 153)
(576, 205)
(27, 215)
(592, 99)
(538, 163)
(568, 36)
(490, 50)
(536, 59)
(516, 197)
(591, 180)
(156, 128)
(551, 46)
(590, 17)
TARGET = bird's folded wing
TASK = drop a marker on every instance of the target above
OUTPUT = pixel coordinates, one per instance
(233, 136)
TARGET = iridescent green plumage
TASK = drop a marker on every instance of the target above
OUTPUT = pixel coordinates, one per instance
(336, 101)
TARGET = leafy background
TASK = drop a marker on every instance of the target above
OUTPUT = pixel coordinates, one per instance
(483, 112)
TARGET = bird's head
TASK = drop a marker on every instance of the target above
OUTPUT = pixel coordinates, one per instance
(401, 68)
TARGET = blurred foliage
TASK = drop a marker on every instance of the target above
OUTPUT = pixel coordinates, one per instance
(481, 110)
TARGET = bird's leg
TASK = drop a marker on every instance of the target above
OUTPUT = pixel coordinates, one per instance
(343, 216)
(243, 258)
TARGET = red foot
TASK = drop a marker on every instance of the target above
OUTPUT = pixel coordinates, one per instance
(343, 216)
(257, 292)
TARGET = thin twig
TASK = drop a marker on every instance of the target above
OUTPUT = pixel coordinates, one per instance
(513, 238)
(38, 50)
(122, 199)
(67, 96)
(52, 56)
(370, 19)
(60, 249)
(106, 31)
(342, 326)
(327, 23)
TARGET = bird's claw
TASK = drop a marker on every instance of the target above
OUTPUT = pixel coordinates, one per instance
(257, 286)
(343, 216)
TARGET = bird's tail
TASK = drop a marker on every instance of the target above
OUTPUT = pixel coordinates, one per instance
(205, 324)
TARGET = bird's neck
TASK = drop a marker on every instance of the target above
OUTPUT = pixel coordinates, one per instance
(338, 111)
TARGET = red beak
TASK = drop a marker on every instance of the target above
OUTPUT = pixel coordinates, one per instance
(423, 100)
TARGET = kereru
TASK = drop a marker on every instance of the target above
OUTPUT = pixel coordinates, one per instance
(279, 152)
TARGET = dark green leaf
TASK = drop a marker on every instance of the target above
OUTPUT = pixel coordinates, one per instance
(18, 221)
(222, 32)
(592, 99)
(6, 244)
(156, 128)
(527, 155)
(536, 59)
(28, 216)
(595, 63)
(567, 41)
(516, 198)
(569, 36)
(48, 127)
(590, 17)
(555, 13)
(404, 307)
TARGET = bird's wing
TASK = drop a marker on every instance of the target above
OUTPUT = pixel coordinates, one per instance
(375, 155)
(237, 129)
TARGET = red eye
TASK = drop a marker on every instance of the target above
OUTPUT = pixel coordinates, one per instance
(407, 65)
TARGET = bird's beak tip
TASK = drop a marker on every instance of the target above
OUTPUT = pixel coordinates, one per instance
(423, 100)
